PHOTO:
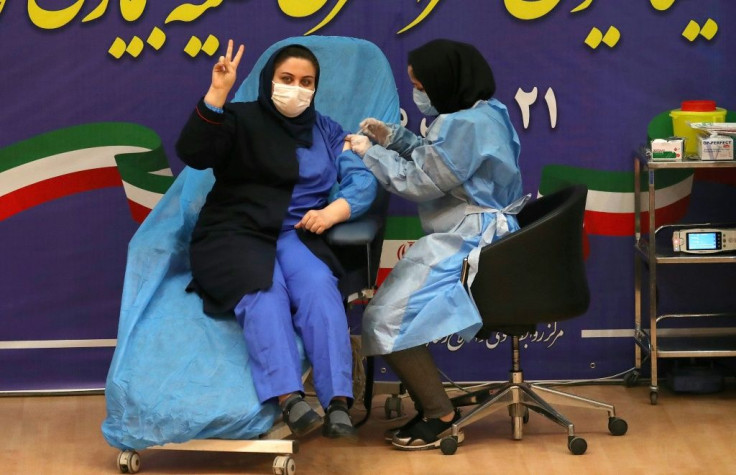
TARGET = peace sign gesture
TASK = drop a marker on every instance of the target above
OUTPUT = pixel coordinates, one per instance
(223, 75)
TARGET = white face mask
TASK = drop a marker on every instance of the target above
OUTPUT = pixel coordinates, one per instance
(291, 100)
(421, 99)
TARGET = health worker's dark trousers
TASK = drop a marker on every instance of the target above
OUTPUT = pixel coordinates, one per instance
(304, 303)
(417, 370)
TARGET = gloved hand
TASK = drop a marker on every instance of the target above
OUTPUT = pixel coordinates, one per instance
(359, 143)
(376, 130)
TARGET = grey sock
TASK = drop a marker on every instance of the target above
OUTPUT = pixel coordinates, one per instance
(340, 416)
(298, 409)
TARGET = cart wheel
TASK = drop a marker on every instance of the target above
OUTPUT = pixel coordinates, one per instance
(617, 426)
(448, 446)
(653, 397)
(577, 445)
(631, 379)
(129, 461)
(284, 465)
(393, 403)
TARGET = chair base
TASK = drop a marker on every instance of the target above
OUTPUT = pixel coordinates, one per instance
(519, 396)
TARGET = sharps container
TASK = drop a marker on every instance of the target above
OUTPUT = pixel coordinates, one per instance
(694, 111)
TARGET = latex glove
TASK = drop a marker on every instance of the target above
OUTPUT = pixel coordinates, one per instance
(359, 143)
(376, 130)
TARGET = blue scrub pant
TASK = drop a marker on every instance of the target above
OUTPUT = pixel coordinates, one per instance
(302, 302)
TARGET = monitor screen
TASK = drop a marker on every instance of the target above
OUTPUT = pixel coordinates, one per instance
(702, 241)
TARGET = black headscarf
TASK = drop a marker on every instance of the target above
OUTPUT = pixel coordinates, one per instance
(299, 127)
(454, 75)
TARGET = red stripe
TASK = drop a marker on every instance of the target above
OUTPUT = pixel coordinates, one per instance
(58, 187)
(622, 224)
(138, 211)
(382, 274)
(201, 116)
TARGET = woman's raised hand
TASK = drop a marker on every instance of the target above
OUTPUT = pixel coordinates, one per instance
(224, 74)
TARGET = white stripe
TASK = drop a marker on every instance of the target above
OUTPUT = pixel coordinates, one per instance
(163, 172)
(62, 164)
(48, 344)
(607, 333)
(390, 252)
(146, 198)
(613, 202)
(629, 333)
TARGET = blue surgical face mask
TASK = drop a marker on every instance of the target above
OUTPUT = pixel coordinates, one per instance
(421, 99)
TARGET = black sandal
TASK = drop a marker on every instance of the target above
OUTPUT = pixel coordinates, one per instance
(389, 434)
(425, 434)
(309, 421)
(338, 430)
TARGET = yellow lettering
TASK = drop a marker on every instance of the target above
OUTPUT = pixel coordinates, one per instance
(2, 4)
(132, 9)
(97, 12)
(189, 12)
(530, 9)
(329, 17)
(661, 5)
(582, 6)
(427, 10)
(301, 8)
(52, 19)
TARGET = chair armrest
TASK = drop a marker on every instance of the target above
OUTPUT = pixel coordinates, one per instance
(351, 233)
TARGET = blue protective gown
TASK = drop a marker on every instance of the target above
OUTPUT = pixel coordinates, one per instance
(466, 180)
(304, 300)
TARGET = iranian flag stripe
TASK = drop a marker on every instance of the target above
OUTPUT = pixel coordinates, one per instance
(610, 206)
(53, 188)
(82, 158)
(99, 134)
(401, 233)
(47, 168)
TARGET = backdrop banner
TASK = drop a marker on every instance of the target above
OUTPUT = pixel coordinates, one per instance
(94, 95)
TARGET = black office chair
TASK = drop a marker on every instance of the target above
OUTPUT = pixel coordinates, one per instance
(534, 275)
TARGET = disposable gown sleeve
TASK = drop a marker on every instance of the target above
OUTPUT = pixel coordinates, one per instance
(433, 167)
(207, 138)
(403, 141)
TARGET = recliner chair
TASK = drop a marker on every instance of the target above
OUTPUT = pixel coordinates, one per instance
(532, 276)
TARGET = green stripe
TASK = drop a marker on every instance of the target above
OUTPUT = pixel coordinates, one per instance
(99, 134)
(555, 177)
(403, 228)
(136, 168)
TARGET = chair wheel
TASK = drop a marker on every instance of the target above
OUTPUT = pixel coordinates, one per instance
(577, 445)
(617, 426)
(653, 397)
(448, 446)
(129, 461)
(631, 379)
(284, 465)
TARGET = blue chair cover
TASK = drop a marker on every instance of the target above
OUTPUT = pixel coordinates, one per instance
(178, 374)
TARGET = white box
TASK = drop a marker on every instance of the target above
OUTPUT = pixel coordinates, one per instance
(667, 150)
(715, 147)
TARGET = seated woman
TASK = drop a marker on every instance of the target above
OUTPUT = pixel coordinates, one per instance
(256, 248)
(465, 178)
